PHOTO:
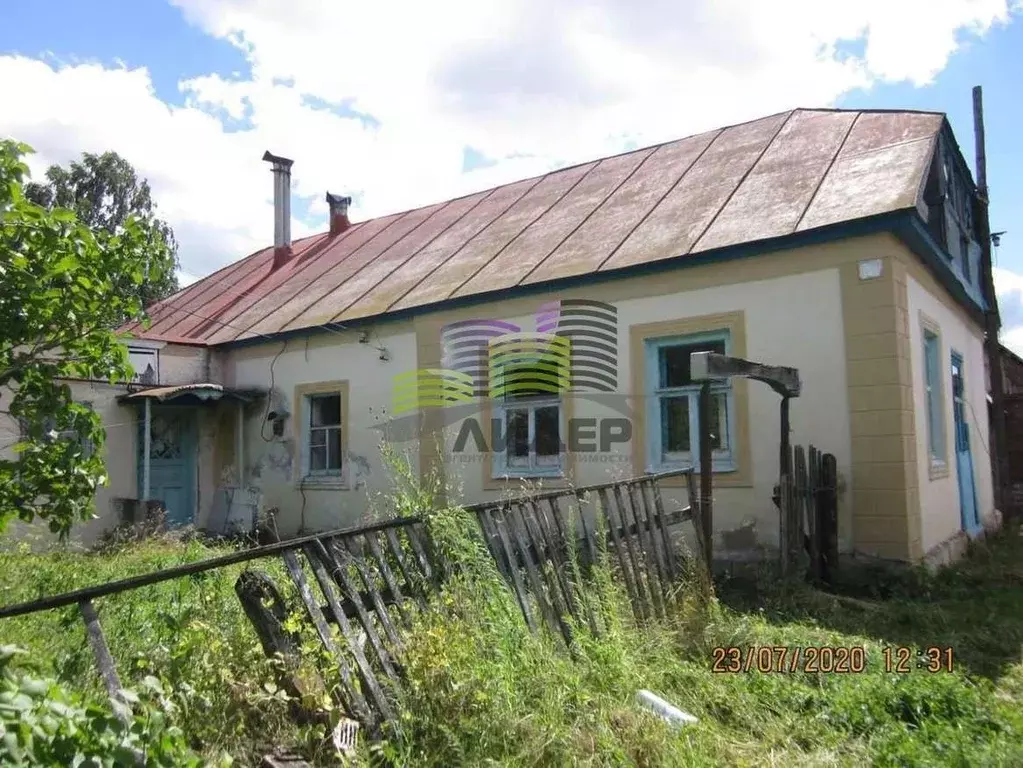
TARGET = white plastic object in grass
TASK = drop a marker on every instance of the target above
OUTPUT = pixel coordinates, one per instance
(672, 714)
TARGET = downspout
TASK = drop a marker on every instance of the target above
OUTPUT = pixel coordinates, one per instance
(992, 321)
(147, 440)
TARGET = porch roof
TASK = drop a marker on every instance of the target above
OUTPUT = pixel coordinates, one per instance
(186, 393)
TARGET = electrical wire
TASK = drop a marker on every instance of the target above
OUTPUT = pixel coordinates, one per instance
(269, 395)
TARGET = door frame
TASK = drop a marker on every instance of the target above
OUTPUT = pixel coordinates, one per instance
(190, 451)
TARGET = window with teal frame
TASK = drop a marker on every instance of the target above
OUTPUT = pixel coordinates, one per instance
(932, 385)
(672, 403)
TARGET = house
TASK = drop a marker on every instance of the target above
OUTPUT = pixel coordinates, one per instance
(541, 331)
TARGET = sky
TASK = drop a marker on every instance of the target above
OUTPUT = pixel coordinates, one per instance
(399, 104)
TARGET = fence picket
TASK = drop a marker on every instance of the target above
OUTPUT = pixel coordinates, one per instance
(641, 594)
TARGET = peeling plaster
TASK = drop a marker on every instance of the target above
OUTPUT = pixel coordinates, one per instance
(360, 470)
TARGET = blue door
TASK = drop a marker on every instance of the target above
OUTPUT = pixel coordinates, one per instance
(964, 462)
(171, 462)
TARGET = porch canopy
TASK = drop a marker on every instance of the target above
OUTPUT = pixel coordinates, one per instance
(191, 394)
(187, 395)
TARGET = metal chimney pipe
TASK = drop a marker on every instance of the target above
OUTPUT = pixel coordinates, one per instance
(338, 213)
(282, 199)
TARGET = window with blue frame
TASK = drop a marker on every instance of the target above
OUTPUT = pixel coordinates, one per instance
(672, 399)
(932, 384)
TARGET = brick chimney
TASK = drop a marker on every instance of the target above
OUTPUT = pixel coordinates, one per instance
(282, 207)
(338, 213)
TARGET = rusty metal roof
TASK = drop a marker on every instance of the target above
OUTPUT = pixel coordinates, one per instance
(198, 392)
(776, 176)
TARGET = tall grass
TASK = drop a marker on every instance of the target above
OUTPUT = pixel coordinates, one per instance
(480, 689)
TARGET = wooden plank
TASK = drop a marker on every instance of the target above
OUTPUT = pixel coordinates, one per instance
(706, 469)
(614, 528)
(548, 572)
(697, 518)
(555, 557)
(662, 525)
(641, 501)
(589, 538)
(517, 528)
(784, 489)
(337, 562)
(562, 547)
(415, 539)
(104, 661)
(388, 576)
(513, 567)
(414, 588)
(645, 541)
(630, 547)
(360, 708)
(814, 513)
(493, 542)
(379, 607)
(368, 678)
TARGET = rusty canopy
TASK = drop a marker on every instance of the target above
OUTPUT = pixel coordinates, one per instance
(776, 176)
(191, 393)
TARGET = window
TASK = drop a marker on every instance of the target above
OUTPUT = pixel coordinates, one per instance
(324, 444)
(50, 433)
(673, 404)
(932, 384)
(527, 429)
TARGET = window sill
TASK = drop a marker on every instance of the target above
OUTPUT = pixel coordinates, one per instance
(323, 483)
(938, 470)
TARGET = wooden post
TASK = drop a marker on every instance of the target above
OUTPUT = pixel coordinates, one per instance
(992, 321)
(706, 468)
(147, 442)
(104, 661)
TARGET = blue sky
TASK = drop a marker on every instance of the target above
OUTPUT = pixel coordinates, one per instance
(402, 108)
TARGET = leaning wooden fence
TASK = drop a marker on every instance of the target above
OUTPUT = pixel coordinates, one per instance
(808, 506)
(539, 540)
(359, 588)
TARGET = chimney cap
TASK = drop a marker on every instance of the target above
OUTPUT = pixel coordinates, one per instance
(277, 160)
(338, 199)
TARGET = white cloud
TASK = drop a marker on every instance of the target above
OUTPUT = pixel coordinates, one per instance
(543, 83)
(1009, 288)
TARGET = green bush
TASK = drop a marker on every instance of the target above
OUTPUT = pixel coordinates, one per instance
(43, 724)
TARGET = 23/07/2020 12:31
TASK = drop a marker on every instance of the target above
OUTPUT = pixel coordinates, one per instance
(903, 659)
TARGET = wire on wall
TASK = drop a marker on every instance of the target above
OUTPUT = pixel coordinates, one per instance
(269, 395)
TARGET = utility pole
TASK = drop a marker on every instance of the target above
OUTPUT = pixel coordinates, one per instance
(992, 320)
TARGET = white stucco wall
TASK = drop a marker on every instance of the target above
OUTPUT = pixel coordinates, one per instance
(270, 461)
(118, 452)
(939, 497)
(794, 321)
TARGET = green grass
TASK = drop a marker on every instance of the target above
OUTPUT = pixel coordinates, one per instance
(191, 633)
(481, 690)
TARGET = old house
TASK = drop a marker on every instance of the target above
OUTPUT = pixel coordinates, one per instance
(838, 242)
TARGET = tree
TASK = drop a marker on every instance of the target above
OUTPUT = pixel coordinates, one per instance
(64, 287)
(104, 191)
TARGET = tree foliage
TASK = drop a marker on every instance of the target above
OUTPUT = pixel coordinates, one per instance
(105, 191)
(63, 287)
